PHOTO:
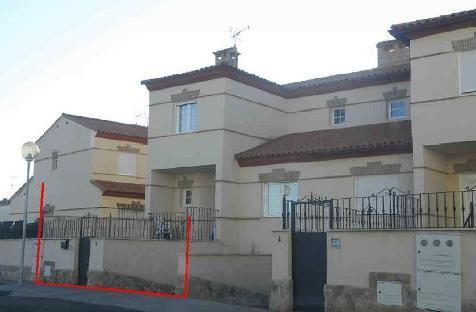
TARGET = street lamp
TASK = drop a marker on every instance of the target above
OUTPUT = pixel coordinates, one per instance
(29, 151)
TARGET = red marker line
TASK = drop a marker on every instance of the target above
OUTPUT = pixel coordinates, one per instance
(37, 281)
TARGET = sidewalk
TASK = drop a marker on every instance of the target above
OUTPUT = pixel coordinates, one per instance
(129, 302)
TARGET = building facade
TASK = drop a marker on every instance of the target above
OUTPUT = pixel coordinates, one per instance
(225, 139)
(89, 167)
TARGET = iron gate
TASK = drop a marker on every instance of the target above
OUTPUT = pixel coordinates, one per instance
(309, 270)
(83, 260)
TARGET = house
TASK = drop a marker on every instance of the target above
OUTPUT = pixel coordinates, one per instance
(89, 167)
(4, 209)
(225, 139)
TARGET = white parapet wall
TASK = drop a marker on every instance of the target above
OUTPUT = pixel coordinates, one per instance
(215, 273)
(62, 263)
(10, 250)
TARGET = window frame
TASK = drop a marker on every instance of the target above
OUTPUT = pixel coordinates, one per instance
(334, 109)
(389, 108)
(460, 78)
(266, 208)
(134, 174)
(178, 117)
(54, 160)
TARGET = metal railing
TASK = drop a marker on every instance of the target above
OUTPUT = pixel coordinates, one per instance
(390, 209)
(14, 230)
(163, 225)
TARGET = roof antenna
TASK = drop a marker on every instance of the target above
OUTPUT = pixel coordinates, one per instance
(235, 34)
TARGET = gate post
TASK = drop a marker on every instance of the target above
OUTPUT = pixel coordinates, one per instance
(331, 213)
(281, 296)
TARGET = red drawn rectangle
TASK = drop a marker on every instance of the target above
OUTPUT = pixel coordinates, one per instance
(36, 279)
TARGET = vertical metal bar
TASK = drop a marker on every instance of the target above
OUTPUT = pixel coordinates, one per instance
(437, 212)
(446, 215)
(428, 208)
(454, 210)
(293, 216)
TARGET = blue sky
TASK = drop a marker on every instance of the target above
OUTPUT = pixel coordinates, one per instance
(88, 57)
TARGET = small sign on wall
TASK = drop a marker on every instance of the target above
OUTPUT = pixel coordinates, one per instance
(335, 243)
(389, 293)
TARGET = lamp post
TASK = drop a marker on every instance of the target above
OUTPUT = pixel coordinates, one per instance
(29, 151)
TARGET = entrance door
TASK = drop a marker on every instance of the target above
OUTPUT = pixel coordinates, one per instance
(309, 270)
(83, 260)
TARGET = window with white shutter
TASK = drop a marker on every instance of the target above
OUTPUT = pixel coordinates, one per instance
(126, 164)
(273, 197)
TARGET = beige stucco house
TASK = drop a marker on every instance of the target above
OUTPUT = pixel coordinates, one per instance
(89, 167)
(222, 138)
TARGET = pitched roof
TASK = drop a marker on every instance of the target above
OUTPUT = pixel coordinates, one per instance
(429, 26)
(118, 189)
(20, 189)
(376, 76)
(358, 141)
(112, 129)
(379, 74)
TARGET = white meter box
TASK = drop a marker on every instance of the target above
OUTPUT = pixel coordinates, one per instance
(438, 266)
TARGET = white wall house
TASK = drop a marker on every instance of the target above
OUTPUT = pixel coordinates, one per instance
(89, 166)
(222, 138)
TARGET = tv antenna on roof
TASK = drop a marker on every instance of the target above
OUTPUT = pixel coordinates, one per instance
(235, 34)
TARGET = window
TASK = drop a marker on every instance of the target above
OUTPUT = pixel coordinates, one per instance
(273, 197)
(187, 197)
(186, 117)
(126, 164)
(468, 71)
(338, 116)
(397, 109)
(54, 160)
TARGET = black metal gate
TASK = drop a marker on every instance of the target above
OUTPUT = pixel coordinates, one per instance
(309, 270)
(83, 260)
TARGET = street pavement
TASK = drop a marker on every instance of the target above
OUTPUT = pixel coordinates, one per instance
(35, 298)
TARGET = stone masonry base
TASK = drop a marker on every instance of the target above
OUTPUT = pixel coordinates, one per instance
(198, 288)
(281, 297)
(10, 273)
(341, 298)
(117, 280)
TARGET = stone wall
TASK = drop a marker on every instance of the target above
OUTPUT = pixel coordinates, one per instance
(119, 280)
(10, 273)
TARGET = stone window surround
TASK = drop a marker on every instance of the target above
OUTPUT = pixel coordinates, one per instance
(185, 96)
(376, 168)
(468, 166)
(464, 44)
(184, 183)
(128, 149)
(279, 175)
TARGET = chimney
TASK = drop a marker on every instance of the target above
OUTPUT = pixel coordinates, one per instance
(392, 52)
(227, 57)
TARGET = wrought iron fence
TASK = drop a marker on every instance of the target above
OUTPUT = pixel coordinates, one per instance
(14, 230)
(388, 209)
(164, 225)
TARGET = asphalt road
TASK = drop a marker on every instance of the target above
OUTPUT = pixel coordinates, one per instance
(26, 304)
(32, 298)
